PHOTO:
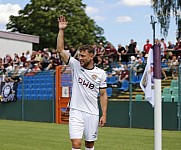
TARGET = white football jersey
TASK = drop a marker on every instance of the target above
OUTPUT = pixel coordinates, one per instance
(85, 87)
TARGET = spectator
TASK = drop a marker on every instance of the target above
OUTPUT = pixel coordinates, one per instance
(95, 49)
(108, 49)
(16, 59)
(38, 56)
(178, 44)
(9, 69)
(7, 60)
(137, 49)
(51, 65)
(102, 49)
(73, 52)
(165, 67)
(28, 55)
(178, 47)
(15, 77)
(36, 68)
(139, 68)
(1, 68)
(126, 48)
(66, 49)
(44, 60)
(147, 46)
(23, 58)
(123, 75)
(169, 56)
(33, 56)
(142, 56)
(28, 66)
(157, 42)
(111, 52)
(99, 62)
(56, 59)
(121, 51)
(21, 69)
(170, 65)
(76, 56)
(132, 47)
(170, 46)
(174, 65)
(46, 51)
(132, 62)
(118, 68)
(163, 47)
(106, 65)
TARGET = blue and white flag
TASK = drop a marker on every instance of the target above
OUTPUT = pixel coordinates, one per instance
(147, 80)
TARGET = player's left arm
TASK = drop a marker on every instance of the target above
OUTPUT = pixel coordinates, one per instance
(103, 102)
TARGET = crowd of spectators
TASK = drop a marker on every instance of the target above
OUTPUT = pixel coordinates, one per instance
(116, 61)
(14, 67)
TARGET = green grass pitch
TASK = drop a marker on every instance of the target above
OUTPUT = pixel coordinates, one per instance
(20, 135)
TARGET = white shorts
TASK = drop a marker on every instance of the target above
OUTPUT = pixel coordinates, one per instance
(82, 123)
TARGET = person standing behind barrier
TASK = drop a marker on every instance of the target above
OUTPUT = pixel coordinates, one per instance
(120, 51)
(132, 48)
(178, 47)
(178, 44)
(111, 52)
(170, 46)
(163, 47)
(88, 81)
(147, 46)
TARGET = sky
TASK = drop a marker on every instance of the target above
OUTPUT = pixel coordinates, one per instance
(122, 20)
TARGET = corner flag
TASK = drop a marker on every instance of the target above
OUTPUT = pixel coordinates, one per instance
(147, 80)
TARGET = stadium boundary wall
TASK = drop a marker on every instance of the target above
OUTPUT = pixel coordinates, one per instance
(29, 110)
(118, 113)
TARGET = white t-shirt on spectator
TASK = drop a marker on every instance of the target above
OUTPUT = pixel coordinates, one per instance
(28, 57)
(22, 70)
(162, 49)
(9, 69)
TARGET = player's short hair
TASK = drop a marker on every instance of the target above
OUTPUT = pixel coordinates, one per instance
(89, 48)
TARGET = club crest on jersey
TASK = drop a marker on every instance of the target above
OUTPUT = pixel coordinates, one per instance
(94, 77)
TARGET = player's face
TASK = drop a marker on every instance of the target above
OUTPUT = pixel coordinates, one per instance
(85, 59)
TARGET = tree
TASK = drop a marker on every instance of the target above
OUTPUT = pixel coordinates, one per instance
(40, 18)
(164, 10)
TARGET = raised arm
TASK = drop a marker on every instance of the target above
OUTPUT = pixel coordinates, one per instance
(60, 39)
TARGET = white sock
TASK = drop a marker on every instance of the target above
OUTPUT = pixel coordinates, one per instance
(75, 149)
(89, 148)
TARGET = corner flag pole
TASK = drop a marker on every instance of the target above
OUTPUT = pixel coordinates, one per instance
(157, 98)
